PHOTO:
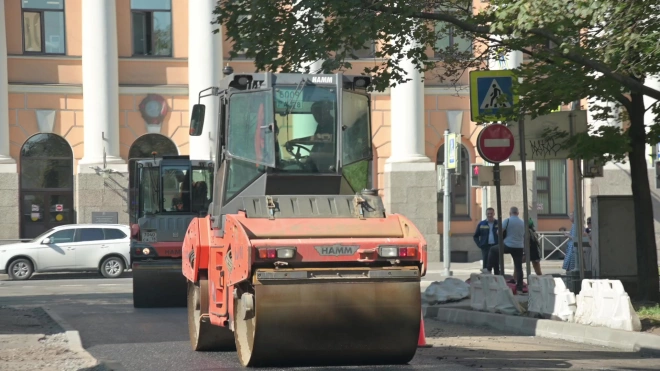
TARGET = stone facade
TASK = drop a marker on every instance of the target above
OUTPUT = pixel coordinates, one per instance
(9, 206)
(410, 190)
(98, 193)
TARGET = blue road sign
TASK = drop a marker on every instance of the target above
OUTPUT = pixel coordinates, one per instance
(451, 151)
(491, 92)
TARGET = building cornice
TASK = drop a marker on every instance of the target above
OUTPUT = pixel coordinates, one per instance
(461, 91)
(77, 89)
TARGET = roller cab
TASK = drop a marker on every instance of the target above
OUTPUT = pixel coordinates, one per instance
(167, 193)
(298, 262)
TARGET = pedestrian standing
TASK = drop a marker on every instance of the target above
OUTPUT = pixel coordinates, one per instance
(570, 259)
(514, 242)
(485, 237)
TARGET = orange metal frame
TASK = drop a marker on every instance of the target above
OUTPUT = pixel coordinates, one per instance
(228, 261)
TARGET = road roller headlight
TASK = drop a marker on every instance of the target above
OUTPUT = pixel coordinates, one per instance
(146, 251)
(396, 252)
(279, 253)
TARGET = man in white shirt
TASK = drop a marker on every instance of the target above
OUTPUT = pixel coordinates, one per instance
(514, 243)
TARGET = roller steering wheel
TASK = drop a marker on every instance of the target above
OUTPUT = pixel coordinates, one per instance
(289, 148)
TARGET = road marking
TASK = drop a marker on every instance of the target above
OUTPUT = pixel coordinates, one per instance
(112, 284)
(71, 285)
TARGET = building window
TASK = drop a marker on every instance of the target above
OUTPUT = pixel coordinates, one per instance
(366, 52)
(447, 35)
(551, 187)
(152, 27)
(459, 187)
(43, 26)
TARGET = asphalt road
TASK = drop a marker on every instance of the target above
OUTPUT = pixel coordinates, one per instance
(139, 339)
(157, 339)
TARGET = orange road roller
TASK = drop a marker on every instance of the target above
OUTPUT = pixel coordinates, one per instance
(297, 261)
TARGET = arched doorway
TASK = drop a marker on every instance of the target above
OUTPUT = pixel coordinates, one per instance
(142, 148)
(46, 184)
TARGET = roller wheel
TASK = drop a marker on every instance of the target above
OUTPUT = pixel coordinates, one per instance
(203, 335)
(244, 325)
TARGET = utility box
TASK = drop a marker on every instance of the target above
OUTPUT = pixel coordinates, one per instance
(614, 243)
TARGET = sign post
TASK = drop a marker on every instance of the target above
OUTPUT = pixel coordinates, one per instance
(450, 162)
(523, 161)
(495, 144)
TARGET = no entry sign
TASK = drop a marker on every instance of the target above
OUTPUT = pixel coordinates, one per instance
(495, 143)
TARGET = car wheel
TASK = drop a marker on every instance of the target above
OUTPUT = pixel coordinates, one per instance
(112, 267)
(20, 269)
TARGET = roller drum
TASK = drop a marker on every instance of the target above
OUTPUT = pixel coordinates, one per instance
(328, 323)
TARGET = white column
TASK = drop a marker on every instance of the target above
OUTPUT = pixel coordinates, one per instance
(407, 112)
(7, 163)
(204, 71)
(100, 84)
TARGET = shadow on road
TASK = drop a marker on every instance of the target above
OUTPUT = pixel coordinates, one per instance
(67, 276)
(484, 347)
(27, 321)
(109, 318)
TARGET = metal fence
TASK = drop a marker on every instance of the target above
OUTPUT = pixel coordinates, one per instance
(553, 241)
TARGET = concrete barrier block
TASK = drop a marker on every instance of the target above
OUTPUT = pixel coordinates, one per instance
(536, 293)
(549, 298)
(477, 293)
(586, 303)
(563, 299)
(499, 298)
(615, 310)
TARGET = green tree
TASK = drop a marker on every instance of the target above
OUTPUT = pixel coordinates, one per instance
(601, 49)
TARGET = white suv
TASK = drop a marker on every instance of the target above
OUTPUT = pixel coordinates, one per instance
(69, 248)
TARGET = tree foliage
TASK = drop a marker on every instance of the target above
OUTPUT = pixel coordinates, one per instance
(594, 49)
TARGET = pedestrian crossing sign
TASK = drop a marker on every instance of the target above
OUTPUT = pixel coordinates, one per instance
(491, 95)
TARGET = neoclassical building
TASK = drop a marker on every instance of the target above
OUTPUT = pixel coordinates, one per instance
(86, 87)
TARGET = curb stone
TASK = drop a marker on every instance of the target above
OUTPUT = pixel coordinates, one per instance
(75, 343)
(559, 330)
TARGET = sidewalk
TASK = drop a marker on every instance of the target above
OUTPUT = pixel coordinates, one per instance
(461, 313)
(34, 339)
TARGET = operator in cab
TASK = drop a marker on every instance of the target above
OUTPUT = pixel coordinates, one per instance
(321, 156)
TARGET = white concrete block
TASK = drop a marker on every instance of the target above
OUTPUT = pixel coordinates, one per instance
(606, 303)
(477, 292)
(499, 298)
(615, 309)
(586, 302)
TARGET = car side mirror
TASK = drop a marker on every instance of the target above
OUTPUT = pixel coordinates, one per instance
(197, 120)
(45, 241)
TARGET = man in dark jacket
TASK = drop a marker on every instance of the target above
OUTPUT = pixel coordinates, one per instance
(486, 236)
